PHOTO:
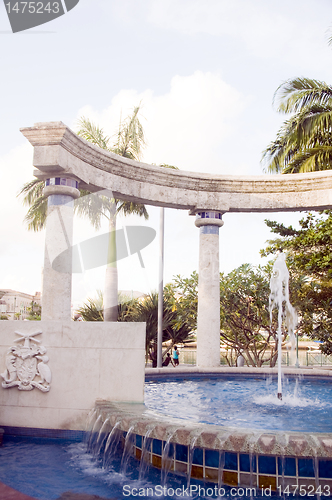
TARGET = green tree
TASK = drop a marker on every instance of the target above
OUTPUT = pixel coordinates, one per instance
(244, 316)
(35, 311)
(304, 144)
(129, 144)
(182, 296)
(308, 248)
(309, 260)
(304, 141)
(144, 309)
(33, 197)
(93, 308)
(245, 319)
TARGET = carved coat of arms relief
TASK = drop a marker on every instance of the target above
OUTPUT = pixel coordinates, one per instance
(26, 365)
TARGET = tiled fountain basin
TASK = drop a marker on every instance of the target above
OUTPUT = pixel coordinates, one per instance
(250, 458)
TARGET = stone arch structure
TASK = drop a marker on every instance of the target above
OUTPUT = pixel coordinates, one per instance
(60, 154)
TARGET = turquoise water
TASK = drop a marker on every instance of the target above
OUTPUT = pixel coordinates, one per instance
(46, 469)
(245, 402)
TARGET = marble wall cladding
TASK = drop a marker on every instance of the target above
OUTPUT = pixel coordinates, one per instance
(88, 361)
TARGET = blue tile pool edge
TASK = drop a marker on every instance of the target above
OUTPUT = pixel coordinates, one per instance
(33, 432)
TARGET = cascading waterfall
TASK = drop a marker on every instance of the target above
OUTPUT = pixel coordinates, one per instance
(101, 437)
(167, 458)
(283, 443)
(91, 419)
(221, 464)
(117, 434)
(252, 444)
(279, 299)
(222, 440)
(315, 463)
(191, 456)
(111, 444)
(146, 448)
(128, 449)
(94, 433)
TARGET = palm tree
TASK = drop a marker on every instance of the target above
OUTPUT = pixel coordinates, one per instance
(304, 141)
(173, 331)
(37, 203)
(129, 144)
(93, 308)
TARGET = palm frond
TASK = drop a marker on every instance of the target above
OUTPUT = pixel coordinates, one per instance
(92, 133)
(32, 191)
(293, 95)
(94, 207)
(311, 160)
(130, 137)
(307, 129)
(92, 309)
(33, 198)
(128, 208)
(37, 214)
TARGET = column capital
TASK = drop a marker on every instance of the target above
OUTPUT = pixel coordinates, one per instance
(209, 218)
(61, 186)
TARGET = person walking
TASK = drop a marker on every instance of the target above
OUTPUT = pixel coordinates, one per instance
(175, 356)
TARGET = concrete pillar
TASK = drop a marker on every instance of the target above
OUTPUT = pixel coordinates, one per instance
(56, 299)
(208, 313)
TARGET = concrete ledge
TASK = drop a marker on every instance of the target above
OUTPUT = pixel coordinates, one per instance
(58, 150)
(308, 371)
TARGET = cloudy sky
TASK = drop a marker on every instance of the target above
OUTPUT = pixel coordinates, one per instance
(204, 71)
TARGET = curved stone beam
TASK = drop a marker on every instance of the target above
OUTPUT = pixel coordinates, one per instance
(58, 151)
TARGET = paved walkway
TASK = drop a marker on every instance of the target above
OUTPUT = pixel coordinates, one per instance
(7, 493)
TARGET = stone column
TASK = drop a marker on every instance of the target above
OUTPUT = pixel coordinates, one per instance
(208, 313)
(56, 298)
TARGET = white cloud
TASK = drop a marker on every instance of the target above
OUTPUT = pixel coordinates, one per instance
(185, 126)
(192, 126)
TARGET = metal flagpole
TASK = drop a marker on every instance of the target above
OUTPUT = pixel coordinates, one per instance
(161, 290)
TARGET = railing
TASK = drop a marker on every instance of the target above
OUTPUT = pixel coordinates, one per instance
(318, 358)
(284, 360)
(308, 358)
(188, 357)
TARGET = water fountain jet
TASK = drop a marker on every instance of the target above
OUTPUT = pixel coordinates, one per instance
(279, 299)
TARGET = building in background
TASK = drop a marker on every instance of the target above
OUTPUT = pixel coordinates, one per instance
(15, 305)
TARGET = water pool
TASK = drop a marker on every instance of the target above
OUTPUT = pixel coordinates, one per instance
(245, 402)
(47, 469)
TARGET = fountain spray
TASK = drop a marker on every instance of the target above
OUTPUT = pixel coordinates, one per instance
(279, 298)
